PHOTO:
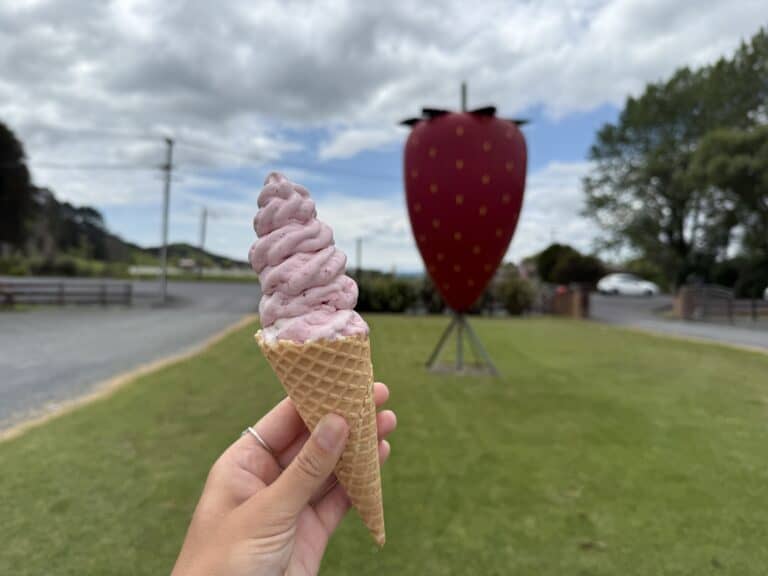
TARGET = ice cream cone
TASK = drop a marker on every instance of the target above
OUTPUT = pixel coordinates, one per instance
(325, 376)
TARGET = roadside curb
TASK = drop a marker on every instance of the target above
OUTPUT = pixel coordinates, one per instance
(106, 388)
(694, 339)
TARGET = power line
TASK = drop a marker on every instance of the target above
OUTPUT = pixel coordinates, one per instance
(59, 166)
(298, 165)
(309, 167)
(101, 133)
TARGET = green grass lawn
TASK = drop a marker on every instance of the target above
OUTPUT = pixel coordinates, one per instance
(599, 452)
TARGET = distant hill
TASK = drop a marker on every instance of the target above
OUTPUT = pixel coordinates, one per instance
(177, 251)
(63, 239)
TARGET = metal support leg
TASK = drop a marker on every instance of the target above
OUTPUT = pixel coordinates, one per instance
(482, 364)
(460, 343)
(479, 347)
(441, 343)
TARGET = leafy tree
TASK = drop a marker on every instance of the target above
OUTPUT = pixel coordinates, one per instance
(647, 270)
(15, 189)
(548, 259)
(562, 264)
(577, 268)
(733, 165)
(641, 191)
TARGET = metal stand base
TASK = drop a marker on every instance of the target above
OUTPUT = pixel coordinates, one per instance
(482, 361)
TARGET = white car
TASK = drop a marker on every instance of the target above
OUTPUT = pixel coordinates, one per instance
(627, 285)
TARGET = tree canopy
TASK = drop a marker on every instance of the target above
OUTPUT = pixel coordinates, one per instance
(643, 190)
(15, 189)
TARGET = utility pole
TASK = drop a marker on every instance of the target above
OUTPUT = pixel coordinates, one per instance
(203, 222)
(463, 96)
(359, 255)
(168, 169)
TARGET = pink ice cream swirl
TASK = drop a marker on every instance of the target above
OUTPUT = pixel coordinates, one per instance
(305, 293)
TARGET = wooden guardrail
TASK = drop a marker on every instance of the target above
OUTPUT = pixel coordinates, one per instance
(63, 293)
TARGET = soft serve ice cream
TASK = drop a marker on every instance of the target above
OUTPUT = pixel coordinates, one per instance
(306, 294)
(317, 345)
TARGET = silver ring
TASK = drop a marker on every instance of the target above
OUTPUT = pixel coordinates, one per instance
(263, 443)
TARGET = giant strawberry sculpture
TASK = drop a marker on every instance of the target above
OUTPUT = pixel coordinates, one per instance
(464, 181)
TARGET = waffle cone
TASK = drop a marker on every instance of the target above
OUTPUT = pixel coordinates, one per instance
(337, 376)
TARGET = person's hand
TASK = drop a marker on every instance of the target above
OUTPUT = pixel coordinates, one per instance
(273, 511)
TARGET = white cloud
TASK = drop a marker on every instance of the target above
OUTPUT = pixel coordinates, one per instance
(257, 77)
(382, 223)
(551, 211)
(348, 142)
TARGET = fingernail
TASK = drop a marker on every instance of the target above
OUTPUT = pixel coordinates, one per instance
(331, 432)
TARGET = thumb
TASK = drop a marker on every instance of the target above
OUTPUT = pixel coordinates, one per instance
(307, 473)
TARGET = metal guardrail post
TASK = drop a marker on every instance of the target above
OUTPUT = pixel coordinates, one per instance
(128, 294)
(103, 294)
(61, 293)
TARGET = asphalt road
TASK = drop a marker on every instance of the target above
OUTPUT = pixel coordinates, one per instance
(644, 313)
(51, 354)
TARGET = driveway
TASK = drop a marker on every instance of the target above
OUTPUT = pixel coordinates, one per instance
(49, 355)
(644, 313)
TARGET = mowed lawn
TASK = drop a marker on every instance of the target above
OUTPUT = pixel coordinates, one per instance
(599, 451)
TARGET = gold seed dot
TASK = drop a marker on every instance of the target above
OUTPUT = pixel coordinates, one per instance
(475, 249)
(456, 268)
(422, 238)
(459, 130)
(487, 267)
(440, 256)
(432, 152)
(414, 174)
(415, 141)
(505, 198)
(433, 188)
(435, 223)
(483, 210)
(417, 207)
(457, 235)
(446, 287)
(487, 146)
(459, 164)
(510, 165)
(485, 179)
(459, 199)
(499, 232)
(470, 282)
(510, 134)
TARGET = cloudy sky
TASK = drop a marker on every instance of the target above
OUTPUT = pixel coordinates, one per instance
(316, 89)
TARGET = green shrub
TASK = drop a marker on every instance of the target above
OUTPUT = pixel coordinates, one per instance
(383, 293)
(430, 297)
(516, 294)
(60, 266)
(13, 266)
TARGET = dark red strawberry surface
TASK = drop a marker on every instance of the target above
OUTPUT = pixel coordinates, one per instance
(464, 181)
